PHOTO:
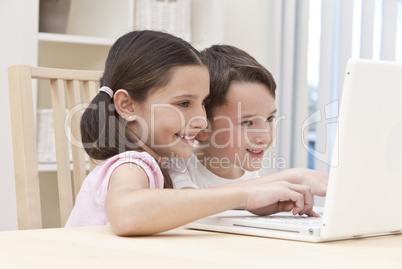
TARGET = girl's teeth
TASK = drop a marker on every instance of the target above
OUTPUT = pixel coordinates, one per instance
(188, 137)
(255, 151)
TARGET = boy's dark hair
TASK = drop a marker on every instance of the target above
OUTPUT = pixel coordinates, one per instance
(228, 64)
(139, 62)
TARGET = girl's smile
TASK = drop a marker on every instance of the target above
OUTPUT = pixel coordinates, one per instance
(174, 114)
(187, 138)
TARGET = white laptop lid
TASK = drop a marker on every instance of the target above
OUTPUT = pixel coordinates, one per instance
(365, 188)
(364, 194)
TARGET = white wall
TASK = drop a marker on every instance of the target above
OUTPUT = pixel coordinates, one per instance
(244, 24)
(207, 23)
(18, 27)
(247, 27)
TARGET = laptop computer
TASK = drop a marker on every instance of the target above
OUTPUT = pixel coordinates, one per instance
(364, 196)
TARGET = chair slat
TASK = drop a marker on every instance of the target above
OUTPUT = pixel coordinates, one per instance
(78, 153)
(89, 90)
(24, 148)
(24, 137)
(62, 150)
(64, 74)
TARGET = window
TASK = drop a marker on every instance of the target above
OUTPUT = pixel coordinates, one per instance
(337, 31)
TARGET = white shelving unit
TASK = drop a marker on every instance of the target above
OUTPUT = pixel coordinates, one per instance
(74, 39)
(51, 167)
(92, 27)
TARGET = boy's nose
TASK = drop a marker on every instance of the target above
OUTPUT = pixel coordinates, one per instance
(262, 133)
(263, 137)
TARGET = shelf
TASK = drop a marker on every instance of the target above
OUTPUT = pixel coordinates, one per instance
(52, 167)
(48, 167)
(75, 39)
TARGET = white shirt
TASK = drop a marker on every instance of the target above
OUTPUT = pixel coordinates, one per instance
(192, 173)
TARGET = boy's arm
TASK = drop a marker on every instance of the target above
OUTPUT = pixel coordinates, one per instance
(134, 209)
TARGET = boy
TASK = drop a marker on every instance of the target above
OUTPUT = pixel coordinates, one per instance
(241, 112)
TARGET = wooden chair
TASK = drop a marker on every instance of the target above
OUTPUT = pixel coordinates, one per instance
(70, 91)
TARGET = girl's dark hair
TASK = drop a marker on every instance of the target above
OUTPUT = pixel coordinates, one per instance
(228, 64)
(139, 62)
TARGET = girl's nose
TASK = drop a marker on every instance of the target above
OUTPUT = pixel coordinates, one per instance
(199, 120)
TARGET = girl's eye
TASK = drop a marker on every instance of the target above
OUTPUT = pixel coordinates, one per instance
(184, 104)
(247, 123)
(271, 119)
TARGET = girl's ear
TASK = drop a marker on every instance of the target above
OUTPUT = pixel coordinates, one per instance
(124, 105)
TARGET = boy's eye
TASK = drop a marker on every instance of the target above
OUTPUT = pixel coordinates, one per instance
(247, 123)
(271, 119)
(184, 104)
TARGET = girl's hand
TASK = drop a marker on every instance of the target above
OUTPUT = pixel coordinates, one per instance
(316, 180)
(280, 196)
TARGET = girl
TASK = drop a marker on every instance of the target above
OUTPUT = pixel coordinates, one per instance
(149, 108)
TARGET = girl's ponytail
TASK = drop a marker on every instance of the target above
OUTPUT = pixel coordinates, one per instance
(98, 128)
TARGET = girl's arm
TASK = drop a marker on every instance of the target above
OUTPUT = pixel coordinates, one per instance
(134, 209)
(316, 180)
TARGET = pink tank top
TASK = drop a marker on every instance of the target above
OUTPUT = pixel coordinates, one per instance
(89, 208)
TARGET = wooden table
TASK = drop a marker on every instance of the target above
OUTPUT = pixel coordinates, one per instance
(98, 247)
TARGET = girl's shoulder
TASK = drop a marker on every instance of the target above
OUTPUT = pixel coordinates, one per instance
(142, 159)
(135, 157)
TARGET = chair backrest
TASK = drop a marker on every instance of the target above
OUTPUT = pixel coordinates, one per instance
(71, 91)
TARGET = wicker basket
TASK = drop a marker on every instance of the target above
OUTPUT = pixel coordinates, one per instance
(171, 16)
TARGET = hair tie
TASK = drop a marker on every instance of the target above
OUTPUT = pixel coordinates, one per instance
(107, 90)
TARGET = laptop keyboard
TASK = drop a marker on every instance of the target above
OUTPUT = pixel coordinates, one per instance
(293, 220)
(288, 218)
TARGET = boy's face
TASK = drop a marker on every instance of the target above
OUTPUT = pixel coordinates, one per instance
(241, 130)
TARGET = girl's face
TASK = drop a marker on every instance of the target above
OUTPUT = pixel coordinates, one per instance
(172, 116)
